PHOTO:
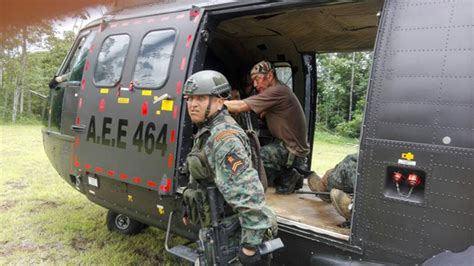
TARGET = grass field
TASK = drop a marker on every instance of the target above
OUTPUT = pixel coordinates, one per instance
(328, 150)
(45, 221)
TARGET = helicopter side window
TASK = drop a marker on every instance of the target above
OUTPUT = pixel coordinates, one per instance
(152, 68)
(108, 69)
(76, 65)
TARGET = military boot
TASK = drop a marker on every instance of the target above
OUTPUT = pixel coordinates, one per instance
(288, 182)
(318, 184)
(342, 202)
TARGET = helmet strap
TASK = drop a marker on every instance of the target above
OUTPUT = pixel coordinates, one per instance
(208, 109)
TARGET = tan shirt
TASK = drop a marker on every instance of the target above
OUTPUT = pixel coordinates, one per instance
(285, 117)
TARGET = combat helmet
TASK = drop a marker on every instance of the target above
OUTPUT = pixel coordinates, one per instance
(207, 82)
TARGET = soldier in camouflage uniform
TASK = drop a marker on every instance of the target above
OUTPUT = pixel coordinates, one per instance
(221, 157)
(285, 158)
(339, 181)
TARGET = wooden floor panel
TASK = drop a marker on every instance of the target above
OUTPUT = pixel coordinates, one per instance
(306, 209)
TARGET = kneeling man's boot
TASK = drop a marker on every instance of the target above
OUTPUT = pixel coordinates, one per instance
(342, 202)
(288, 183)
(318, 184)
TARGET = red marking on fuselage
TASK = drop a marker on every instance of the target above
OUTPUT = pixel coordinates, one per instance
(180, 16)
(79, 104)
(98, 170)
(178, 87)
(123, 176)
(137, 179)
(150, 20)
(86, 67)
(188, 42)
(87, 166)
(175, 111)
(170, 160)
(151, 184)
(145, 108)
(111, 172)
(173, 135)
(83, 84)
(102, 105)
(165, 18)
(166, 187)
(183, 63)
(78, 120)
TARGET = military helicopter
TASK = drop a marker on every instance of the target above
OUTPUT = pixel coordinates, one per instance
(116, 127)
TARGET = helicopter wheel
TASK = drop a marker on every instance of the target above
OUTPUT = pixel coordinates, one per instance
(123, 224)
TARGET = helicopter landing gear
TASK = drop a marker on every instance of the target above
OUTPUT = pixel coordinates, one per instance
(123, 224)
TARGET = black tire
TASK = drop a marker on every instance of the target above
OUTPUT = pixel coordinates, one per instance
(123, 224)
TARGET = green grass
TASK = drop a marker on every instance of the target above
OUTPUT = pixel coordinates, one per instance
(329, 149)
(45, 221)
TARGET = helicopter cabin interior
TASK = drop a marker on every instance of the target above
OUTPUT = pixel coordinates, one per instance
(237, 40)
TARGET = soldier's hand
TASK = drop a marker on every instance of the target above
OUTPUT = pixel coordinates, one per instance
(185, 220)
(249, 254)
(53, 83)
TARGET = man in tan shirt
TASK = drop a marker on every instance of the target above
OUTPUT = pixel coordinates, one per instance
(286, 122)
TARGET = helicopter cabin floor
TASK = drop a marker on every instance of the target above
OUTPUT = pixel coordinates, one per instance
(307, 212)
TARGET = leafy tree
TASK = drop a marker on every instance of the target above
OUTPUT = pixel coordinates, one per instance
(25, 73)
(336, 111)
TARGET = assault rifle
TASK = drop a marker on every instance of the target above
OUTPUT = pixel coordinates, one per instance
(216, 244)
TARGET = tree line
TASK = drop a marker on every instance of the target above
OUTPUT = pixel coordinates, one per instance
(342, 80)
(29, 58)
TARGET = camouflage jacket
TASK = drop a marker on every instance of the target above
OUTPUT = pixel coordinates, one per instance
(229, 156)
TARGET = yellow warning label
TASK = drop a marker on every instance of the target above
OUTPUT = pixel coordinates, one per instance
(408, 156)
(161, 209)
(104, 90)
(130, 198)
(167, 105)
(123, 100)
(158, 112)
(146, 92)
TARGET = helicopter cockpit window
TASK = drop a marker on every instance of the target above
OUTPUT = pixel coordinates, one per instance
(284, 73)
(154, 59)
(108, 69)
(75, 67)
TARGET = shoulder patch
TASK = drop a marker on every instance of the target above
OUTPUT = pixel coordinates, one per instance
(226, 133)
(233, 162)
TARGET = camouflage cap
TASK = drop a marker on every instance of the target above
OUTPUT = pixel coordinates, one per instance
(262, 67)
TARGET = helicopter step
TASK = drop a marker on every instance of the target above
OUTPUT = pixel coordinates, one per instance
(181, 251)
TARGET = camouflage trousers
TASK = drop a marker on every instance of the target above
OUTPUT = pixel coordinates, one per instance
(275, 157)
(343, 176)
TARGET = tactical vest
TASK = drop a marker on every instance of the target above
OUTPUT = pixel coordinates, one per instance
(201, 175)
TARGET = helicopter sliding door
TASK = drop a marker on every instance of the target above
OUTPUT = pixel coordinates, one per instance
(129, 104)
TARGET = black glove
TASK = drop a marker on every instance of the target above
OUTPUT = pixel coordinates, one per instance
(53, 83)
(244, 259)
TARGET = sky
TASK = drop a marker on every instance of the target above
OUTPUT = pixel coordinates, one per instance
(76, 23)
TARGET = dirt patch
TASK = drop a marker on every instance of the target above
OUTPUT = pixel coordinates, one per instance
(5, 206)
(49, 204)
(80, 243)
(12, 247)
(40, 205)
(18, 185)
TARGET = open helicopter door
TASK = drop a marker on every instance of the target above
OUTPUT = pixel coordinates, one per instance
(129, 104)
